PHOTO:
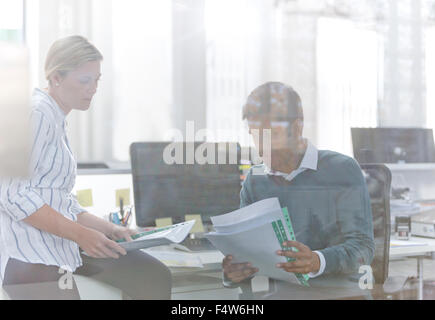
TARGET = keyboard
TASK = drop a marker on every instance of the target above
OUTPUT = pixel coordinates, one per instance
(198, 244)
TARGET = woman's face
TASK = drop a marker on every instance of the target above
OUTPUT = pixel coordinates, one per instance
(76, 89)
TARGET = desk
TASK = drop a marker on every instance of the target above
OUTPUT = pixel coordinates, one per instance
(418, 252)
(207, 281)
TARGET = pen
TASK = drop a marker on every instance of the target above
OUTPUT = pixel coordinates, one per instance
(127, 217)
(121, 207)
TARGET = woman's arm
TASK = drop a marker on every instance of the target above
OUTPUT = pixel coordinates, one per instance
(93, 242)
(109, 229)
(88, 220)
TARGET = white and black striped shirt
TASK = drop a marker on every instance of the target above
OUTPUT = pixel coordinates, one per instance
(53, 170)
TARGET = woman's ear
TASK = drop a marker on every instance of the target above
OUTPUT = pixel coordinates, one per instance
(56, 79)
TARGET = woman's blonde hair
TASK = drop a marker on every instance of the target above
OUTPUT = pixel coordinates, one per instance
(68, 54)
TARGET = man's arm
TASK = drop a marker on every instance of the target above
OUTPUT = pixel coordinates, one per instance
(354, 217)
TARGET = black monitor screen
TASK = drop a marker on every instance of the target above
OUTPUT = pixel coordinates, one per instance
(393, 145)
(204, 179)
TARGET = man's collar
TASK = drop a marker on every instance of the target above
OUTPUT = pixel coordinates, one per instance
(309, 161)
(311, 157)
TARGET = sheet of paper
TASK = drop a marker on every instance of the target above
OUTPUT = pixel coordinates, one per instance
(175, 234)
(252, 211)
(163, 222)
(84, 197)
(198, 226)
(245, 247)
(176, 259)
(123, 194)
(249, 224)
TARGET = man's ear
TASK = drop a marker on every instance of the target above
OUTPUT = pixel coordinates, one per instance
(296, 128)
(298, 125)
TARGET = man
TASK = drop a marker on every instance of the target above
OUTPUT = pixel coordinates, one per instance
(324, 191)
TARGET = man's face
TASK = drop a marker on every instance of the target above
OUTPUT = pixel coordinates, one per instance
(276, 133)
(276, 127)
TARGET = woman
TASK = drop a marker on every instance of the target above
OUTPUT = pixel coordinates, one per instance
(42, 225)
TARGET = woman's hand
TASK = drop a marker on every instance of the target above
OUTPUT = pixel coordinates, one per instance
(119, 233)
(97, 245)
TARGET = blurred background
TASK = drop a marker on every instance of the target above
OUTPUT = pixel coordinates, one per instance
(355, 63)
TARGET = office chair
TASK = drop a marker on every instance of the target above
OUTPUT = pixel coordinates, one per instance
(378, 180)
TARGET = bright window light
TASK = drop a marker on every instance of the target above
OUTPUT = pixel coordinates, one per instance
(11, 14)
(430, 77)
(229, 19)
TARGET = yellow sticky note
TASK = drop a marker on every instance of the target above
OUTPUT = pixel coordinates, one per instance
(123, 194)
(84, 197)
(198, 226)
(245, 167)
(163, 222)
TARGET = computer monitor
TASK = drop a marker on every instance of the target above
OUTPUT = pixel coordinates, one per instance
(188, 186)
(393, 145)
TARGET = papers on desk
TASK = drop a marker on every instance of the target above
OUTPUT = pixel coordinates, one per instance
(248, 235)
(405, 243)
(163, 236)
(175, 259)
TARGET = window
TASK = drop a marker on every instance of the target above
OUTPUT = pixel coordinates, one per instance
(142, 73)
(234, 63)
(134, 97)
(11, 21)
(347, 81)
(430, 77)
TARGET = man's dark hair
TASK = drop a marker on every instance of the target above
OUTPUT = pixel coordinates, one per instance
(263, 100)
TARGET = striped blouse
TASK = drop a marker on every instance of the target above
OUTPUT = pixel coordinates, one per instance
(53, 170)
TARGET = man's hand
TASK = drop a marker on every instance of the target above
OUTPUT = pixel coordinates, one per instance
(237, 272)
(118, 233)
(306, 260)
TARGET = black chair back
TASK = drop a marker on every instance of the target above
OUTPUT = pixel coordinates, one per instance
(378, 179)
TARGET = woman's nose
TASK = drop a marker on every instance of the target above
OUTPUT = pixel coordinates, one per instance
(93, 88)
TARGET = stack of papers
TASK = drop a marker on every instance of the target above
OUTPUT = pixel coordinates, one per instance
(251, 234)
(162, 236)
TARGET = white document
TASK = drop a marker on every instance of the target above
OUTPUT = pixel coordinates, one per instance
(172, 234)
(257, 246)
(247, 234)
(236, 219)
